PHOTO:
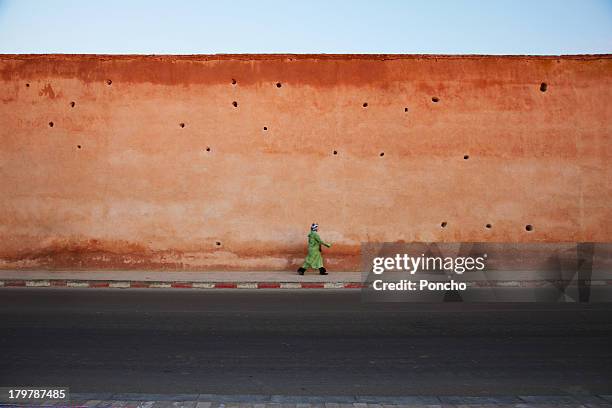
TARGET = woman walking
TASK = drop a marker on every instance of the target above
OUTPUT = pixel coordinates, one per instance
(314, 259)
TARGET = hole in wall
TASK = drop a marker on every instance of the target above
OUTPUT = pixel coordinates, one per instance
(443, 224)
(529, 227)
(109, 82)
(435, 99)
(278, 84)
(50, 124)
(265, 128)
(335, 152)
(488, 226)
(382, 154)
(465, 157)
(235, 104)
(543, 86)
(78, 146)
(182, 124)
(218, 243)
(72, 104)
(27, 85)
(405, 109)
(233, 81)
(207, 149)
(365, 104)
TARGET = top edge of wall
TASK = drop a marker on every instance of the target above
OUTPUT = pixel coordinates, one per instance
(212, 57)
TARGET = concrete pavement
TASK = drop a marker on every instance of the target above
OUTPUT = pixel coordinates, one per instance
(248, 280)
(171, 276)
(101, 400)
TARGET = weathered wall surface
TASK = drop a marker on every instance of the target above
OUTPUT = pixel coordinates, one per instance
(146, 162)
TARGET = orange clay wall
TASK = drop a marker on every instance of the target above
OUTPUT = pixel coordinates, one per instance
(222, 162)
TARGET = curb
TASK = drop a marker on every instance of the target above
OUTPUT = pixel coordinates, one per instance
(137, 284)
(55, 283)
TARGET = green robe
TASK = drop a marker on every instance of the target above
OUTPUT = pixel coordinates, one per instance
(314, 259)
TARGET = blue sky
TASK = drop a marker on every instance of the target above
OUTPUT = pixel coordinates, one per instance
(307, 26)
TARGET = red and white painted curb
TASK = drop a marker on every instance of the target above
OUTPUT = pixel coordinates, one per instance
(42, 283)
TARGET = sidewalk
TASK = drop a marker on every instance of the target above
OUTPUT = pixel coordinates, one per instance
(170, 279)
(241, 280)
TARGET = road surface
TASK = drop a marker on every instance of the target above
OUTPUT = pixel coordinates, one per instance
(298, 343)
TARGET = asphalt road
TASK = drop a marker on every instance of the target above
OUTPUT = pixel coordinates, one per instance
(298, 343)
